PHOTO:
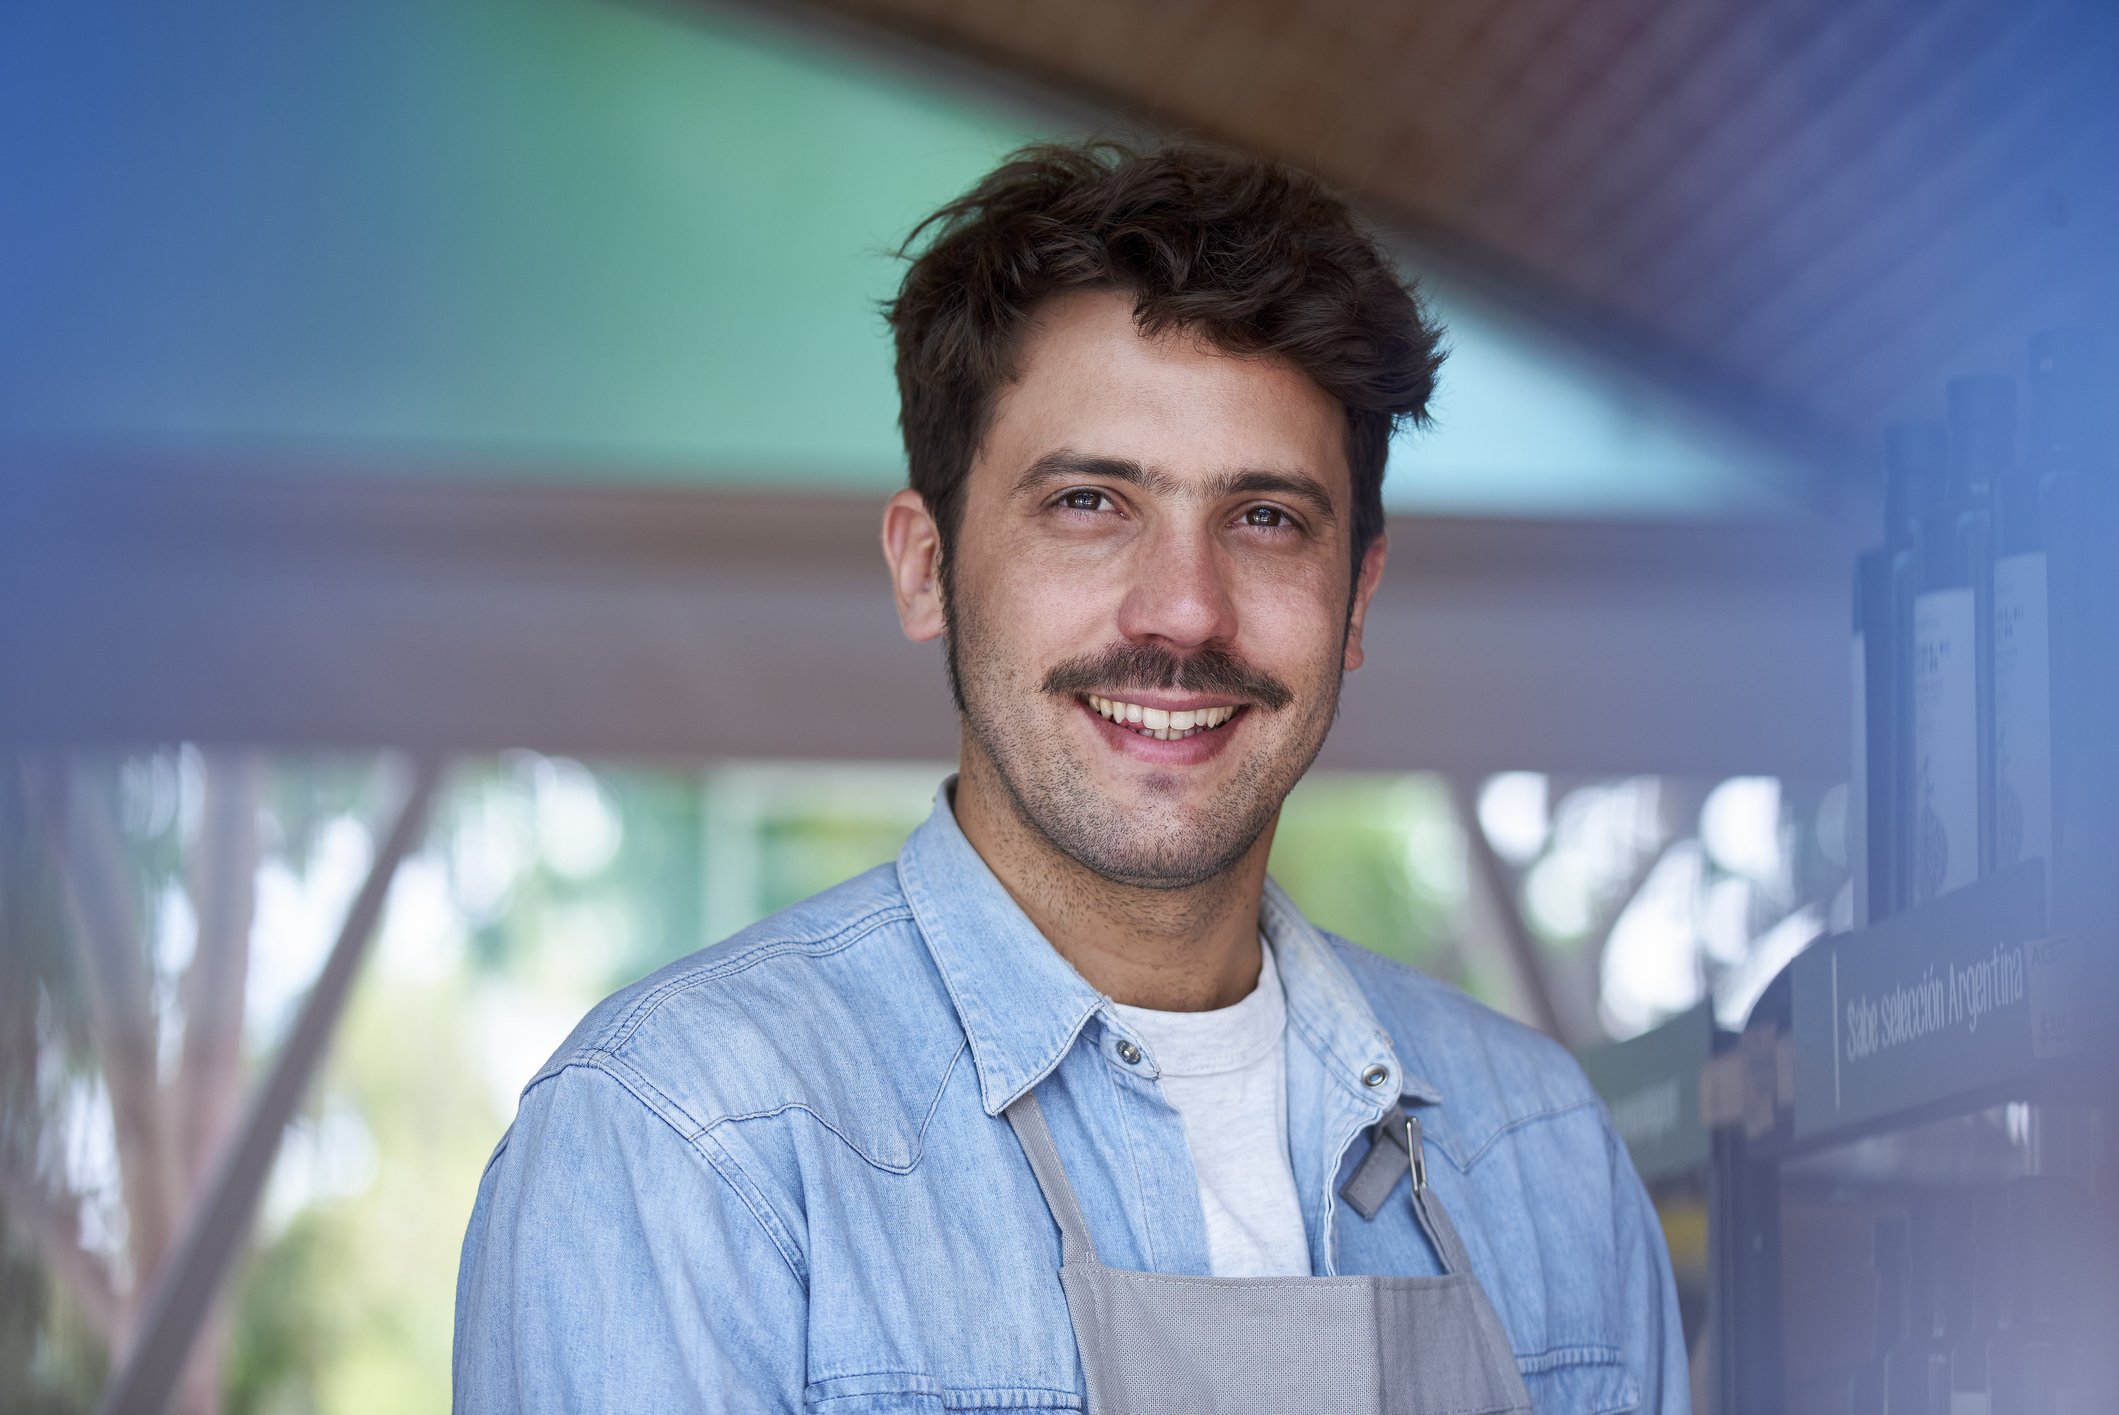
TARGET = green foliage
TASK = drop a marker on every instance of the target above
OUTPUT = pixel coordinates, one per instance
(345, 1303)
(813, 847)
(1349, 851)
(350, 1308)
(50, 1362)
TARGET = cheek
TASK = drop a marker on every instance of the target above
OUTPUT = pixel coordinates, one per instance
(1036, 606)
(1293, 621)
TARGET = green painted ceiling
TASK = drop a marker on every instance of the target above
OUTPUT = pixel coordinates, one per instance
(587, 239)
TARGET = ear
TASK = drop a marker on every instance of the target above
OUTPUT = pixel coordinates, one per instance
(912, 544)
(1364, 589)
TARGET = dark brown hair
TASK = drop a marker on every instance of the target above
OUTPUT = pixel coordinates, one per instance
(1256, 257)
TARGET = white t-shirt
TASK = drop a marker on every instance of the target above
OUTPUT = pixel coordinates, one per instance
(1226, 1071)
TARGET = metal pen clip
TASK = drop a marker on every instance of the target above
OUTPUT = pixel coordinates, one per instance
(1413, 1153)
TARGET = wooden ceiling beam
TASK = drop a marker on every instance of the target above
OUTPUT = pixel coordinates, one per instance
(338, 609)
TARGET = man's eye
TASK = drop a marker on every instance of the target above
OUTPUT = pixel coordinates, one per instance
(1271, 518)
(1083, 499)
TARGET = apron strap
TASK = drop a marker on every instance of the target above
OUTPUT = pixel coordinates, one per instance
(1028, 1121)
(1377, 1177)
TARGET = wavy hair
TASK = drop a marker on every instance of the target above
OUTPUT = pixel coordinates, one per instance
(1256, 257)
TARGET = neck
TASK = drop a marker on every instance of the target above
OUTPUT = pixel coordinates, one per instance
(1183, 949)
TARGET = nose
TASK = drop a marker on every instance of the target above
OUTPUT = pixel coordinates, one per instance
(1178, 591)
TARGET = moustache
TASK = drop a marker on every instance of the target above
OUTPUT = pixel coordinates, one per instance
(1149, 666)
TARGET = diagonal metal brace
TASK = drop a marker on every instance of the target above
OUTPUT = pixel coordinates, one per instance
(190, 1277)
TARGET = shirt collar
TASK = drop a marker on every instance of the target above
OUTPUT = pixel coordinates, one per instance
(1022, 1005)
(1326, 1008)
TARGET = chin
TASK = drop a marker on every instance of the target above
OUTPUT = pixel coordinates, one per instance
(1149, 848)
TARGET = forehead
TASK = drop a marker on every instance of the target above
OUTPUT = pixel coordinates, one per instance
(1088, 380)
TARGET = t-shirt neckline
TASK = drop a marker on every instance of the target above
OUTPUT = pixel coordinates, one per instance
(1219, 1039)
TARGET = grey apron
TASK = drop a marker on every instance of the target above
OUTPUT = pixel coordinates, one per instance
(1168, 1344)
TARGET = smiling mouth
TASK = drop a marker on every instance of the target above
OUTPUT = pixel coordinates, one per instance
(1162, 724)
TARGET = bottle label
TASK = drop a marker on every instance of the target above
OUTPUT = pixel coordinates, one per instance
(1945, 742)
(1970, 1402)
(2023, 712)
(1858, 785)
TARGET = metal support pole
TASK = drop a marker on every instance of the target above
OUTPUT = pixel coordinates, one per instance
(191, 1276)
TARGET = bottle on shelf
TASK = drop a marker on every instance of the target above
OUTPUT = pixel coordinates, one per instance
(1917, 1369)
(1952, 645)
(1982, 1277)
(2036, 1366)
(2023, 599)
(2042, 528)
(1880, 793)
(1865, 1394)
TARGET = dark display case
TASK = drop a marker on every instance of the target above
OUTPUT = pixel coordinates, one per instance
(1902, 1175)
(1918, 1210)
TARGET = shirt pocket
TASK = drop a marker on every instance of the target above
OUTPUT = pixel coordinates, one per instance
(907, 1393)
(1579, 1380)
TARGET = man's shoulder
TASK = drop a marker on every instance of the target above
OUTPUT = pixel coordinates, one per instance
(831, 1005)
(1494, 1073)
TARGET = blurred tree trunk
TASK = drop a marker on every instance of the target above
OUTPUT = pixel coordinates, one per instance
(208, 1086)
(169, 1131)
(100, 899)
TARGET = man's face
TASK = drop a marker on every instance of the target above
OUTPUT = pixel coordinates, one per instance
(1148, 607)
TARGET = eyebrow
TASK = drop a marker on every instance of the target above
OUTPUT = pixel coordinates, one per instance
(1066, 463)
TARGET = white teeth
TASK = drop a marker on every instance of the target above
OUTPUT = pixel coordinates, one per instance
(1163, 724)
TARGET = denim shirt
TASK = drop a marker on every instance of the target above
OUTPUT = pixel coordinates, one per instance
(775, 1173)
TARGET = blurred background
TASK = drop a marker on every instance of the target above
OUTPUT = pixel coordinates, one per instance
(501, 385)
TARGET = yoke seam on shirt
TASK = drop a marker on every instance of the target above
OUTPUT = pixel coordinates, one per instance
(919, 1149)
(822, 946)
(746, 1191)
(1551, 1113)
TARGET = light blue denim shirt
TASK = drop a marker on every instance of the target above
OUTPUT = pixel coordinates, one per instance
(775, 1174)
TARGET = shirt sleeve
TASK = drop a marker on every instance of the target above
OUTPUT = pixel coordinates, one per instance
(609, 1266)
(1648, 1295)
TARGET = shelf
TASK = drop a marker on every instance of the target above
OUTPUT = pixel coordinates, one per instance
(1946, 1000)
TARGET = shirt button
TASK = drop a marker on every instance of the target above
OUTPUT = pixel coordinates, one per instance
(1375, 1076)
(1128, 1053)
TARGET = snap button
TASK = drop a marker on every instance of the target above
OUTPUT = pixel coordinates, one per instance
(1128, 1053)
(1375, 1076)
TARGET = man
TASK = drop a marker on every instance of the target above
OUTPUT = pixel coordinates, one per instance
(1069, 1107)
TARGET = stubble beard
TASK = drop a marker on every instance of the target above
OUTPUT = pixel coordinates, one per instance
(1052, 791)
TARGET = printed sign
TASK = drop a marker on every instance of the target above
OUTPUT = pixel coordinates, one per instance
(1651, 1085)
(1937, 1001)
